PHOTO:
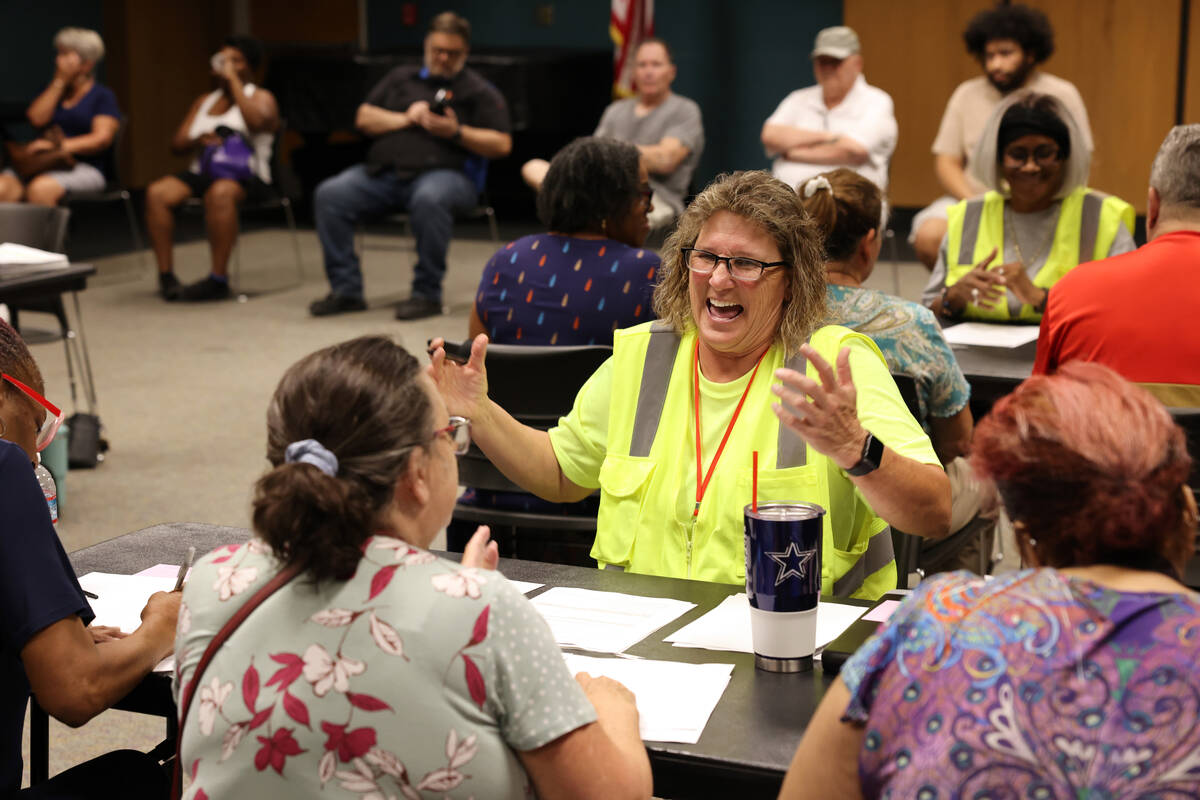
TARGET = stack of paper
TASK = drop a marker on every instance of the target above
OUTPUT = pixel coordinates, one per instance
(727, 627)
(604, 622)
(987, 334)
(525, 587)
(17, 260)
(674, 700)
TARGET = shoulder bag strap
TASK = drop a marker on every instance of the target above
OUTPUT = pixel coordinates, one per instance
(281, 578)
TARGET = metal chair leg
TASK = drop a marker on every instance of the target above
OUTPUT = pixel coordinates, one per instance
(134, 233)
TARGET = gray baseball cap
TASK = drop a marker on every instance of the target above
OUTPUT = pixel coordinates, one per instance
(836, 42)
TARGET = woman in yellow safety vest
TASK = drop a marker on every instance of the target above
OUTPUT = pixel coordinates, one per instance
(1004, 251)
(667, 427)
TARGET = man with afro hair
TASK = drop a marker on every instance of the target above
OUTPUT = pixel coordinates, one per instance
(1010, 42)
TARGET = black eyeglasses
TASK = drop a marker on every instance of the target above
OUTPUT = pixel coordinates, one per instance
(1043, 155)
(740, 268)
(645, 192)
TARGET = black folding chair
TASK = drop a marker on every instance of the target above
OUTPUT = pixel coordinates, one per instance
(537, 385)
(114, 192)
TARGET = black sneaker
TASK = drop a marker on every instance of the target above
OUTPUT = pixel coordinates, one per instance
(417, 307)
(204, 290)
(332, 304)
(169, 286)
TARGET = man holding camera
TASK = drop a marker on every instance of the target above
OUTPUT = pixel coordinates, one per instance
(434, 129)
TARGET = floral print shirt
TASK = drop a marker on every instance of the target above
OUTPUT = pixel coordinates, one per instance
(416, 678)
(911, 341)
(1031, 685)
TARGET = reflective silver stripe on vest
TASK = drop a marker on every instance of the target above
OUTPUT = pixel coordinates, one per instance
(792, 449)
(970, 232)
(879, 554)
(652, 395)
(1089, 227)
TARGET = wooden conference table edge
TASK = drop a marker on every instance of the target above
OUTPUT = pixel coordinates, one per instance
(749, 739)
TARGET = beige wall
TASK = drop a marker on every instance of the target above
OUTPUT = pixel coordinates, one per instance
(1122, 55)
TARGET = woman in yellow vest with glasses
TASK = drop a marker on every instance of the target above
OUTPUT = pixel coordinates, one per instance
(739, 362)
(1004, 251)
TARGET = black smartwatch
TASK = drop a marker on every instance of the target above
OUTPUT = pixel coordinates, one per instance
(872, 454)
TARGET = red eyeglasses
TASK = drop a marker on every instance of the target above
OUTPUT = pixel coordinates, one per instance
(54, 417)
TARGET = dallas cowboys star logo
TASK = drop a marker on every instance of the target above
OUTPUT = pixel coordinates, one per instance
(793, 554)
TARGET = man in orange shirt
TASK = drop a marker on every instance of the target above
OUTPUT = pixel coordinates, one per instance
(1136, 312)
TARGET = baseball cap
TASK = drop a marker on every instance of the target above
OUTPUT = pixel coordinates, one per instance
(836, 42)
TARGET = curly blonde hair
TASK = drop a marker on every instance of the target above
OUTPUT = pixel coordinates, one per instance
(772, 205)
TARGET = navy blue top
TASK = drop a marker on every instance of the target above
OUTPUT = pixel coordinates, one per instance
(37, 588)
(559, 290)
(77, 120)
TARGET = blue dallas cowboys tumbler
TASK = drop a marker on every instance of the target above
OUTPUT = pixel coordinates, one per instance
(783, 583)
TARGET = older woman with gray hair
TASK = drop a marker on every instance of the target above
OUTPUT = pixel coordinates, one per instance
(1002, 252)
(77, 118)
(667, 429)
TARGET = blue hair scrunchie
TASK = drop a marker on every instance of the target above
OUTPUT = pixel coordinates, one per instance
(310, 451)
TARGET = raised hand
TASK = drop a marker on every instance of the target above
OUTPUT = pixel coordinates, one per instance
(463, 386)
(824, 413)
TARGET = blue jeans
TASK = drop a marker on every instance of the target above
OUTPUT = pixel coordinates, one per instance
(432, 200)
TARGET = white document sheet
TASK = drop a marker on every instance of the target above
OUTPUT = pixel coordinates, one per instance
(525, 587)
(674, 700)
(121, 599)
(727, 627)
(991, 335)
(604, 622)
(11, 253)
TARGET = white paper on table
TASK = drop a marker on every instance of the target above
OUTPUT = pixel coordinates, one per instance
(525, 587)
(11, 253)
(604, 622)
(674, 700)
(989, 334)
(727, 627)
(120, 600)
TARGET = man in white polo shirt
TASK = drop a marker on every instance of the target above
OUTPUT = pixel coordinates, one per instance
(841, 122)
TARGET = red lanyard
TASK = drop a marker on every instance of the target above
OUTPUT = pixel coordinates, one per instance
(702, 483)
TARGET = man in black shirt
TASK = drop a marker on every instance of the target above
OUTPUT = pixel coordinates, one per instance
(434, 128)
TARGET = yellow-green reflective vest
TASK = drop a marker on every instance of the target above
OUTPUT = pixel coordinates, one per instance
(645, 523)
(1088, 222)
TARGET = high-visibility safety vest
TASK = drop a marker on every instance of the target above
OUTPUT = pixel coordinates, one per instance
(1088, 222)
(645, 523)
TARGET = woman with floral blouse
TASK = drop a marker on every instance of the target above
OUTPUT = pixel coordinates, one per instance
(382, 670)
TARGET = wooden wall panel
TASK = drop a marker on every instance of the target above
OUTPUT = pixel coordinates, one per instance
(304, 21)
(1122, 57)
(1191, 105)
(158, 60)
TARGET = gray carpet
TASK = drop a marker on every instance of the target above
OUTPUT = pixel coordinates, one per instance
(183, 391)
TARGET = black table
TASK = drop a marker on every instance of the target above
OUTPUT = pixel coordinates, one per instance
(54, 283)
(744, 750)
(993, 372)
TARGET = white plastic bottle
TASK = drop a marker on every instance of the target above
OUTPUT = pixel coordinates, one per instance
(49, 490)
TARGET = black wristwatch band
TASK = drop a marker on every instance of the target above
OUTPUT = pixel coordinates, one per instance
(872, 454)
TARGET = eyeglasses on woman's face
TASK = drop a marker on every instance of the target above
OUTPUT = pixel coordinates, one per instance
(1042, 155)
(459, 431)
(54, 415)
(747, 270)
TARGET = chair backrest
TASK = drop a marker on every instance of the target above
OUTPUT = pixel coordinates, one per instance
(283, 177)
(34, 226)
(908, 392)
(114, 162)
(1189, 420)
(537, 385)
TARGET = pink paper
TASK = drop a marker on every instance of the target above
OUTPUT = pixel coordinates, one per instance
(160, 571)
(881, 612)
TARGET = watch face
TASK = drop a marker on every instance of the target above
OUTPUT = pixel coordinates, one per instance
(871, 456)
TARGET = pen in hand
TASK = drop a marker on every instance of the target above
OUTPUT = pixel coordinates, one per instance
(92, 595)
(183, 568)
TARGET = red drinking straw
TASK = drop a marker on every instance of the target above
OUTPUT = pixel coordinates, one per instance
(754, 483)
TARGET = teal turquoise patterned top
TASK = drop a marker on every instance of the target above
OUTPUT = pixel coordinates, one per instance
(416, 678)
(1031, 685)
(911, 341)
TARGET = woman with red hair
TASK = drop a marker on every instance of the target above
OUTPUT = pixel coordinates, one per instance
(1073, 677)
